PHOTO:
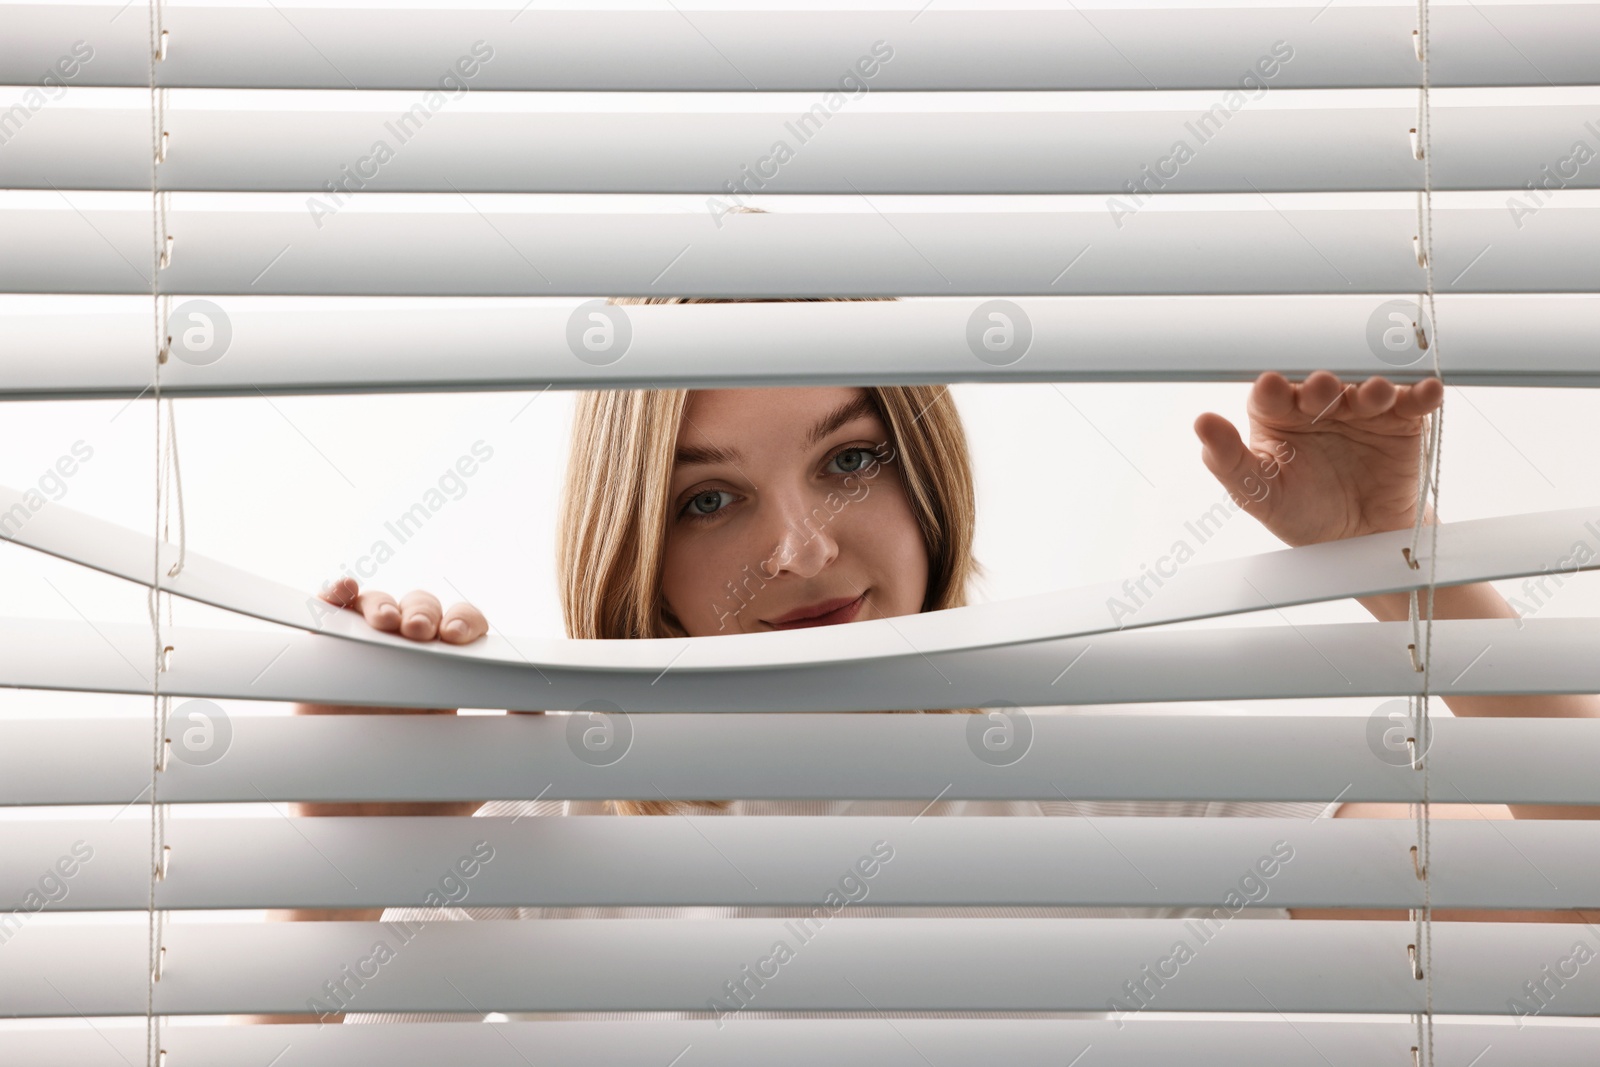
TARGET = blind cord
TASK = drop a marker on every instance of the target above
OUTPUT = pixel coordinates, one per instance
(173, 473)
(1428, 469)
(166, 462)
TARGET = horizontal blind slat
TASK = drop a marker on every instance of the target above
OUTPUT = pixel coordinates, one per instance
(242, 346)
(1478, 656)
(889, 757)
(1132, 1041)
(796, 861)
(1473, 550)
(513, 244)
(1125, 147)
(852, 965)
(795, 46)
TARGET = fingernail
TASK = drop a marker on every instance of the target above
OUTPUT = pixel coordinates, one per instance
(387, 612)
(455, 628)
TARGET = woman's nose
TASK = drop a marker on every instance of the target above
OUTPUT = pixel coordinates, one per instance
(804, 541)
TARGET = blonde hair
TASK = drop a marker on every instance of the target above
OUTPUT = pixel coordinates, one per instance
(611, 537)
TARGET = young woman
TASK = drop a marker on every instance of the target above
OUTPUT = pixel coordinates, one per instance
(857, 503)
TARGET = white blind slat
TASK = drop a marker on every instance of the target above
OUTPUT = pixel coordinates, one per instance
(1469, 551)
(1289, 140)
(1480, 656)
(505, 244)
(289, 345)
(796, 861)
(811, 46)
(921, 964)
(1140, 1040)
(891, 757)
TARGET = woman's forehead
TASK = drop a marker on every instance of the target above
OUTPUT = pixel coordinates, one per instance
(716, 421)
(793, 407)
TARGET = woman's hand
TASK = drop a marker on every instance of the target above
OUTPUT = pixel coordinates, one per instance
(1326, 460)
(419, 617)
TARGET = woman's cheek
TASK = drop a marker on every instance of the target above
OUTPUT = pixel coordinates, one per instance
(855, 488)
(892, 507)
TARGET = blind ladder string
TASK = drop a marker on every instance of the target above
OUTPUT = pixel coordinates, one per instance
(1428, 469)
(166, 465)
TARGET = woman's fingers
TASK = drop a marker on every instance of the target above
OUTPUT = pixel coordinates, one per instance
(1417, 400)
(1222, 450)
(463, 624)
(341, 593)
(1372, 397)
(423, 619)
(380, 610)
(1319, 394)
(377, 608)
(1225, 455)
(418, 615)
(1273, 395)
(1323, 395)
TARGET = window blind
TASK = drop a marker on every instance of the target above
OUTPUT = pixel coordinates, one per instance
(980, 161)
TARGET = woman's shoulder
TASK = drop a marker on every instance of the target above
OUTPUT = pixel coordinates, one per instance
(1259, 809)
(517, 809)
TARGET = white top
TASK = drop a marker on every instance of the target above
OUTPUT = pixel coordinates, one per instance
(907, 808)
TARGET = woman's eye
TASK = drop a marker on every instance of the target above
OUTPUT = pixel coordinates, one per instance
(703, 506)
(854, 459)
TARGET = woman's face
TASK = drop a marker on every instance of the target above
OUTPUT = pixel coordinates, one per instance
(786, 503)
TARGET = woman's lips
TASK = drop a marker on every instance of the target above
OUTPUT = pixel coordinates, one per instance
(832, 618)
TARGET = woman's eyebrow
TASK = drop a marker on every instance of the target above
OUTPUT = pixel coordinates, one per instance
(690, 455)
(849, 411)
(858, 408)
